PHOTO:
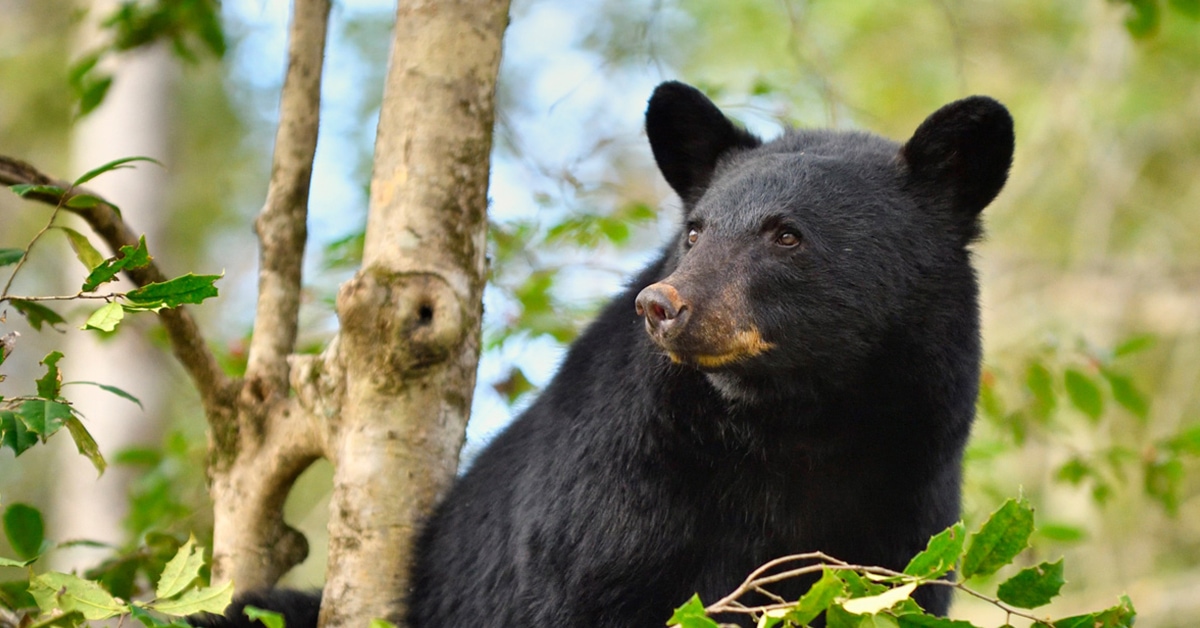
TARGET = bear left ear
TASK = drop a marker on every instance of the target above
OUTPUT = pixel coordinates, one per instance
(688, 135)
(965, 149)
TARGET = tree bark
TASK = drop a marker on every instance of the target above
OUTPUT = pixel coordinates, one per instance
(411, 317)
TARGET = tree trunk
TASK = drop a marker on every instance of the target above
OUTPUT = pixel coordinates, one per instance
(411, 317)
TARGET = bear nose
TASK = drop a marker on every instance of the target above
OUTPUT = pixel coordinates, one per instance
(664, 310)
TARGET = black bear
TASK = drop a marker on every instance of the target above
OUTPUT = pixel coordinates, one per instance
(796, 372)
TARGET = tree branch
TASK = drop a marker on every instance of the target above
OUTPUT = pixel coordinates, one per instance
(216, 389)
(281, 225)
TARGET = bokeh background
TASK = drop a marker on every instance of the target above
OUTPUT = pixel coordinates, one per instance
(1091, 266)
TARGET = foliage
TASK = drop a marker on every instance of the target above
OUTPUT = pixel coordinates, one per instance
(185, 24)
(61, 599)
(26, 420)
(863, 596)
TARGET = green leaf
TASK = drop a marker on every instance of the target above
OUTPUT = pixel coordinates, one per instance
(107, 388)
(817, 599)
(43, 417)
(1002, 537)
(271, 619)
(181, 571)
(9, 257)
(148, 620)
(85, 443)
(1119, 616)
(72, 593)
(1127, 394)
(25, 530)
(1061, 533)
(49, 386)
(1040, 383)
(106, 318)
(14, 434)
(1138, 343)
(921, 620)
(691, 615)
(8, 562)
(127, 257)
(1084, 394)
(36, 314)
(25, 189)
(93, 94)
(1187, 441)
(115, 164)
(513, 386)
(858, 586)
(942, 552)
(1034, 586)
(1143, 18)
(83, 201)
(189, 288)
(207, 600)
(84, 251)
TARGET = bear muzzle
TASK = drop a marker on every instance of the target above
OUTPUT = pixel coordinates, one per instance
(707, 342)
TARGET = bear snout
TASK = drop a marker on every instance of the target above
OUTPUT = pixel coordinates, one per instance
(666, 312)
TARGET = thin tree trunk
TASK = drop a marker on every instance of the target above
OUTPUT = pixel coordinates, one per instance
(411, 317)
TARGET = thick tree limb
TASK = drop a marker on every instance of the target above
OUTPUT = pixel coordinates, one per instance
(281, 226)
(216, 389)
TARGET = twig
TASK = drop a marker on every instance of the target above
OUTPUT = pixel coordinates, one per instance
(186, 341)
(281, 226)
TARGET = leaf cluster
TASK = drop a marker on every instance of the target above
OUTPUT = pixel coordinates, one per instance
(858, 596)
(61, 599)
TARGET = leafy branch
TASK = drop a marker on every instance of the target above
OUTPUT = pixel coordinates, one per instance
(850, 595)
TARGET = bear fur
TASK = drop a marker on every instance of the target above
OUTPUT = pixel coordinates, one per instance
(797, 371)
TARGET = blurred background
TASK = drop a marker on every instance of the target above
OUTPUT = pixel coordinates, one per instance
(1090, 269)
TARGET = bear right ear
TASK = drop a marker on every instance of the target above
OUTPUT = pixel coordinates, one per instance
(965, 150)
(688, 135)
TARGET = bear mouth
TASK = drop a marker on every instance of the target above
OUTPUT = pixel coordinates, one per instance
(740, 346)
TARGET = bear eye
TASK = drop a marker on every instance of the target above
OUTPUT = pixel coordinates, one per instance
(787, 239)
(692, 236)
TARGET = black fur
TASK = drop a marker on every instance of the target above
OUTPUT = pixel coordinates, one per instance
(637, 479)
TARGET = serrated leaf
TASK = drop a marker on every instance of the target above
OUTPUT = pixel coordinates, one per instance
(1004, 535)
(107, 388)
(36, 314)
(49, 386)
(72, 593)
(25, 530)
(128, 257)
(1120, 616)
(207, 600)
(84, 251)
(181, 571)
(817, 599)
(1084, 394)
(1034, 586)
(189, 288)
(25, 189)
(876, 603)
(43, 417)
(14, 434)
(858, 586)
(85, 443)
(106, 318)
(9, 257)
(115, 164)
(691, 615)
(270, 619)
(940, 555)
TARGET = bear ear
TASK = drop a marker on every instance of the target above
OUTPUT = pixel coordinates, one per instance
(964, 149)
(688, 135)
